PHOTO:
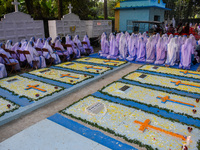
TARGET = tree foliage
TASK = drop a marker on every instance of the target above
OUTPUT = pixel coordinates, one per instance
(40, 9)
(89, 9)
(184, 9)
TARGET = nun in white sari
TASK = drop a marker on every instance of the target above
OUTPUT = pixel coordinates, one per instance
(17, 67)
(34, 56)
(3, 72)
(123, 47)
(16, 47)
(104, 47)
(132, 48)
(63, 51)
(33, 40)
(141, 52)
(151, 50)
(79, 45)
(186, 54)
(184, 38)
(72, 49)
(127, 36)
(8, 45)
(86, 39)
(22, 58)
(57, 38)
(160, 52)
(40, 45)
(54, 55)
(170, 37)
(113, 50)
(172, 49)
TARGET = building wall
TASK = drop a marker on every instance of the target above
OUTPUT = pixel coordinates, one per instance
(134, 3)
(134, 15)
(158, 12)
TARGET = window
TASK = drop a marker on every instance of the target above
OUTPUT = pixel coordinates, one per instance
(156, 18)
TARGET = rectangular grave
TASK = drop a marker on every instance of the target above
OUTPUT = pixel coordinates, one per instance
(95, 108)
(143, 76)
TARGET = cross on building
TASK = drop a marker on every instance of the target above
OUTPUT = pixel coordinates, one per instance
(16, 3)
(70, 8)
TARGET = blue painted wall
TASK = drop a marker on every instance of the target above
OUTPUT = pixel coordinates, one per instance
(135, 3)
(130, 14)
(139, 10)
(158, 12)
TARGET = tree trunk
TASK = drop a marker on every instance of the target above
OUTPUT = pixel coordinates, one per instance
(60, 9)
(29, 6)
(105, 10)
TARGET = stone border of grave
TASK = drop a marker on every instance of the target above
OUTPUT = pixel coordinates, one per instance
(105, 91)
(25, 110)
(57, 80)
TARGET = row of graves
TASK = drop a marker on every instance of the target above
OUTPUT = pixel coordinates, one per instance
(154, 107)
(17, 26)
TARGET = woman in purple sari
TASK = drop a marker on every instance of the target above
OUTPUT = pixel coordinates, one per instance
(123, 47)
(132, 48)
(104, 47)
(172, 49)
(160, 52)
(63, 51)
(16, 47)
(86, 39)
(114, 51)
(79, 45)
(186, 54)
(151, 50)
(141, 52)
(73, 48)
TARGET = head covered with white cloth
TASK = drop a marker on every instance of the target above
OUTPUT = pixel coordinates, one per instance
(123, 50)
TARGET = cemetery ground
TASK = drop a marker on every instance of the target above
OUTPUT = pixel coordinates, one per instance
(161, 99)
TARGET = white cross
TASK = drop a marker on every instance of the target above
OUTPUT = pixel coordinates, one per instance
(70, 8)
(16, 5)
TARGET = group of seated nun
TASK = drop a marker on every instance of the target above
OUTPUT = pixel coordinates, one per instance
(161, 50)
(37, 58)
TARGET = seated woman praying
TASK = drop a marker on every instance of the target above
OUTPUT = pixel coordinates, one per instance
(8, 45)
(73, 50)
(61, 50)
(39, 45)
(34, 56)
(16, 47)
(11, 60)
(79, 45)
(87, 46)
(3, 72)
(50, 53)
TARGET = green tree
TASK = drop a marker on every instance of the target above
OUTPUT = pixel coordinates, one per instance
(6, 7)
(44, 9)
